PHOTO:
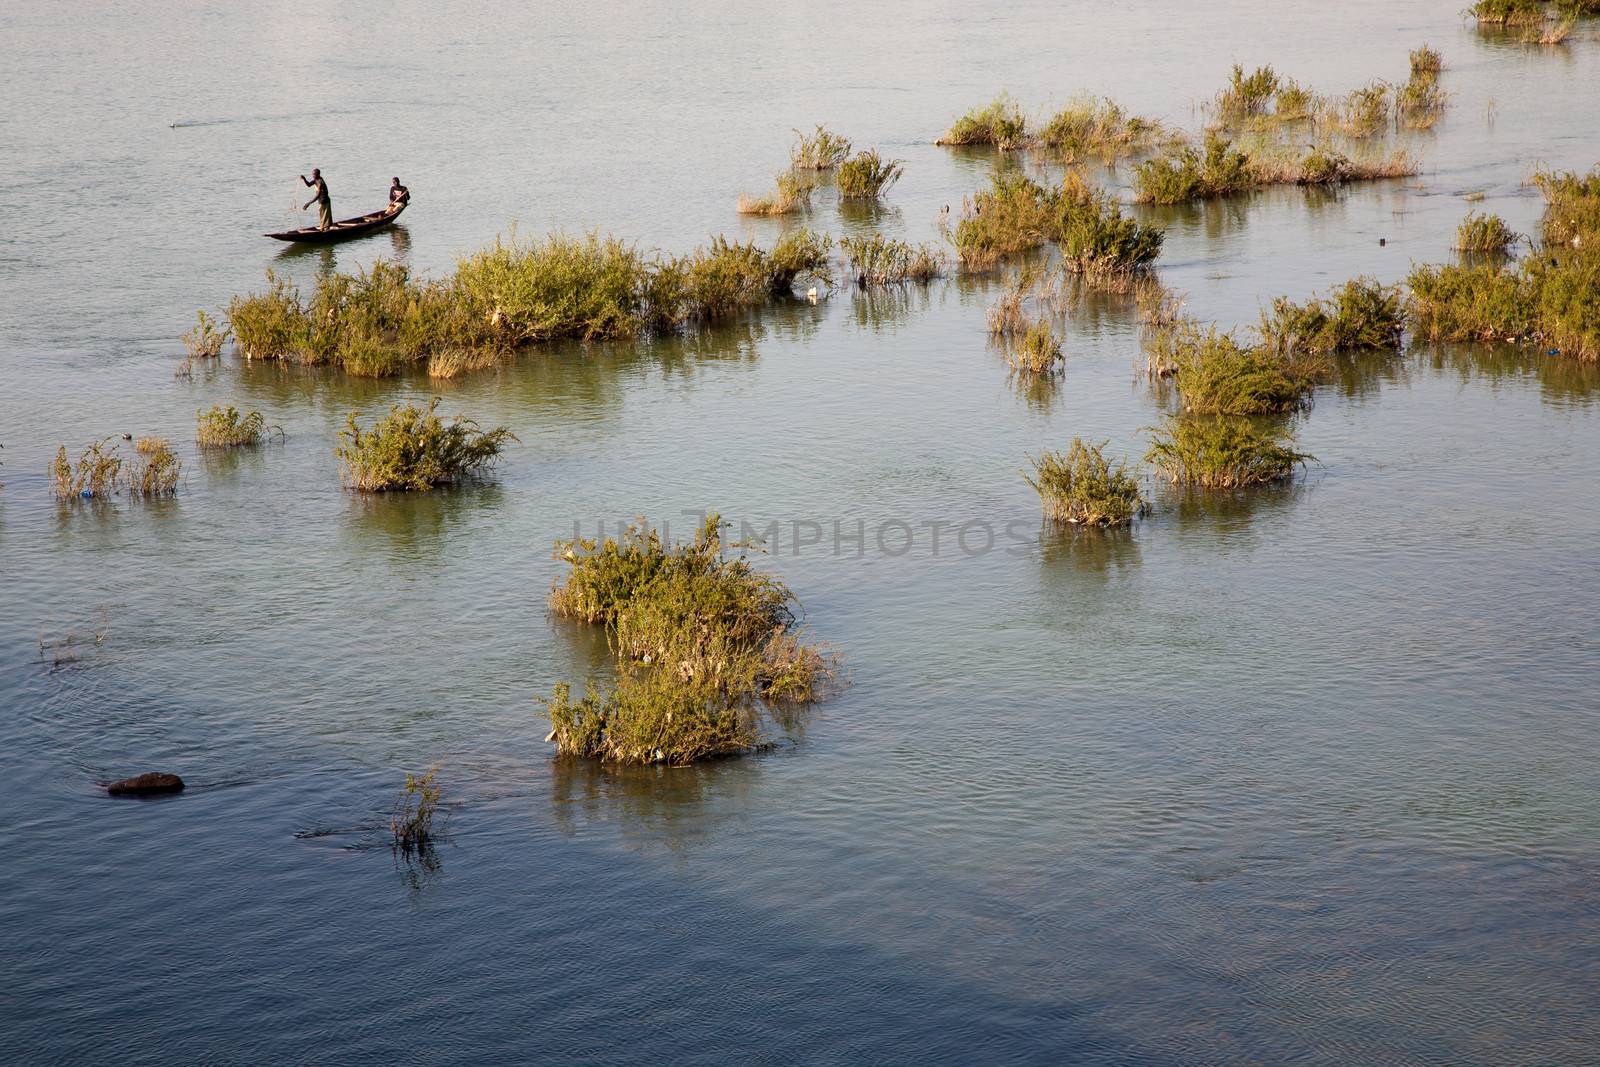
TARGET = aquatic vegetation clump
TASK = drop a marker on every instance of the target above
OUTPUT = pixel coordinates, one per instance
(1363, 112)
(227, 427)
(1083, 487)
(1102, 245)
(97, 473)
(411, 823)
(1216, 375)
(1090, 126)
(412, 448)
(156, 468)
(1009, 218)
(1214, 169)
(205, 340)
(866, 175)
(706, 642)
(1425, 61)
(819, 150)
(1508, 12)
(1000, 123)
(792, 193)
(647, 717)
(1223, 453)
(1361, 314)
(1247, 95)
(880, 260)
(1037, 352)
(555, 288)
(1552, 297)
(1420, 102)
(1480, 232)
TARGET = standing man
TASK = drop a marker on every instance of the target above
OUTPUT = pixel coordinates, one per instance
(320, 198)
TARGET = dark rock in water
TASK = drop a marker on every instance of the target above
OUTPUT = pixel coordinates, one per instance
(1382, 241)
(146, 784)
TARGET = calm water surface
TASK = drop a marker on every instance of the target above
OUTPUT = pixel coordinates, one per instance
(1304, 775)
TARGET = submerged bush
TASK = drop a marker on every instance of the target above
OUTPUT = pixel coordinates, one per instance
(98, 472)
(226, 427)
(1247, 96)
(1215, 374)
(1425, 61)
(1010, 217)
(866, 175)
(1572, 207)
(1222, 452)
(411, 824)
(1100, 127)
(820, 150)
(1508, 12)
(1104, 246)
(1190, 173)
(1082, 486)
(205, 341)
(1419, 102)
(879, 260)
(1361, 314)
(793, 193)
(1000, 123)
(1364, 111)
(717, 638)
(156, 468)
(1483, 302)
(412, 448)
(1484, 233)
(1037, 353)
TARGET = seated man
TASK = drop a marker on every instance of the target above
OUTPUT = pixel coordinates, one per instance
(398, 194)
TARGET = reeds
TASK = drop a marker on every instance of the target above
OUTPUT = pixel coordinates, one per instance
(1247, 95)
(819, 150)
(411, 824)
(205, 340)
(1037, 352)
(706, 641)
(792, 193)
(999, 123)
(1481, 232)
(1222, 452)
(1365, 111)
(412, 448)
(97, 473)
(1419, 103)
(156, 468)
(1008, 218)
(1572, 207)
(880, 260)
(226, 427)
(1083, 487)
(1219, 169)
(1107, 249)
(866, 175)
(1426, 61)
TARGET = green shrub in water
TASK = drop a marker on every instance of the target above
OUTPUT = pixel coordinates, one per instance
(820, 150)
(866, 175)
(1000, 123)
(412, 448)
(1082, 486)
(1361, 314)
(1223, 453)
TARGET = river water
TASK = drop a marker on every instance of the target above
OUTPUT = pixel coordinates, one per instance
(1298, 775)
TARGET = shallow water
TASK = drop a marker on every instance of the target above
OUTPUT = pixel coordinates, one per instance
(1301, 775)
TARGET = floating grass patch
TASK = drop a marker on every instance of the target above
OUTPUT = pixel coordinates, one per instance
(880, 260)
(156, 468)
(866, 175)
(792, 193)
(706, 641)
(999, 123)
(225, 426)
(1480, 232)
(204, 340)
(412, 448)
(1090, 126)
(97, 473)
(412, 822)
(1083, 487)
(1361, 314)
(818, 150)
(1222, 452)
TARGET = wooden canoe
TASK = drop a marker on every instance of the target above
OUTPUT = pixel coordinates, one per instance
(344, 228)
